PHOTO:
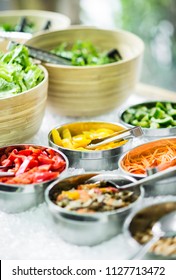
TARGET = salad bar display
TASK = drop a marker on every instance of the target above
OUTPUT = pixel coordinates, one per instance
(88, 209)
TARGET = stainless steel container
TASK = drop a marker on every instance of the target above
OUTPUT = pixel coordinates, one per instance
(19, 198)
(150, 133)
(92, 160)
(88, 229)
(141, 218)
(162, 187)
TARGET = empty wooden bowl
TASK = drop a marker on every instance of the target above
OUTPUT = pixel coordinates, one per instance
(92, 90)
(22, 114)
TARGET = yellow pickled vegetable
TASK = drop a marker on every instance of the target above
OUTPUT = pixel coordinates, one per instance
(66, 134)
(80, 141)
(56, 137)
(67, 143)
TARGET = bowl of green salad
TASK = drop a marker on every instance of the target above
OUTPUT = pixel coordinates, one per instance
(23, 94)
(157, 118)
(20, 25)
(99, 69)
(32, 21)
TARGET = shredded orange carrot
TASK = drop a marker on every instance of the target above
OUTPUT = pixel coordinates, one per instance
(143, 157)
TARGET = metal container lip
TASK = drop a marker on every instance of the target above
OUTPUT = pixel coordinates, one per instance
(128, 220)
(148, 132)
(139, 176)
(30, 188)
(94, 154)
(85, 217)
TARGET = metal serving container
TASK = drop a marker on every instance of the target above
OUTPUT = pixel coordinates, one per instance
(18, 198)
(92, 160)
(162, 187)
(151, 133)
(140, 219)
(88, 229)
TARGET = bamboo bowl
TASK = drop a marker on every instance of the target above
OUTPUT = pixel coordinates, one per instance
(92, 90)
(22, 114)
(38, 17)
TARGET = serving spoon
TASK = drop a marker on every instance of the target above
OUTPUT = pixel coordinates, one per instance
(108, 179)
(164, 227)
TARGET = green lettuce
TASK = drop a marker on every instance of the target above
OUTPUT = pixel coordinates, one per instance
(18, 73)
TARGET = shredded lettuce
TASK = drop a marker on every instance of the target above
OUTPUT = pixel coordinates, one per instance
(18, 73)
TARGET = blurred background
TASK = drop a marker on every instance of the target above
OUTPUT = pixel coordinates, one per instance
(153, 20)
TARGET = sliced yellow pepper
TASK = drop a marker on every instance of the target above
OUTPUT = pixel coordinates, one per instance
(80, 141)
(56, 137)
(66, 134)
(67, 143)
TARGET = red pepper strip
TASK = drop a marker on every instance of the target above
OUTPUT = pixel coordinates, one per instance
(35, 175)
(59, 163)
(14, 154)
(33, 163)
(26, 152)
(35, 151)
(51, 152)
(44, 167)
(44, 176)
(43, 159)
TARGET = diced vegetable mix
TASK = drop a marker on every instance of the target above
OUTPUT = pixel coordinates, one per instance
(31, 165)
(158, 155)
(83, 53)
(80, 141)
(18, 73)
(91, 198)
(158, 115)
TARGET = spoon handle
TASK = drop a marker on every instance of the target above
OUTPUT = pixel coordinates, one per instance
(153, 178)
(141, 252)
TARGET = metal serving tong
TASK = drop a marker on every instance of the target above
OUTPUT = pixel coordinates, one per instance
(42, 55)
(117, 136)
(161, 167)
